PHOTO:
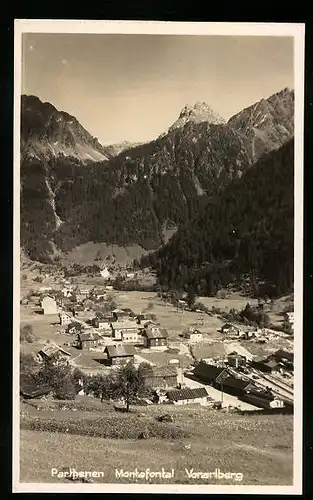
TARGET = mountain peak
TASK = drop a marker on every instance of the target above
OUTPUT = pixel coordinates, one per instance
(47, 132)
(268, 123)
(199, 112)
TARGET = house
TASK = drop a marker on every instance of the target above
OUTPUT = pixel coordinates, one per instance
(184, 396)
(284, 356)
(74, 327)
(155, 337)
(271, 364)
(120, 313)
(120, 354)
(65, 318)
(234, 386)
(209, 373)
(193, 335)
(263, 401)
(105, 273)
(235, 360)
(104, 322)
(230, 329)
(289, 317)
(127, 331)
(33, 390)
(52, 350)
(161, 377)
(87, 340)
(129, 312)
(49, 305)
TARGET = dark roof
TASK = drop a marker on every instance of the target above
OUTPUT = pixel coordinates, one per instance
(257, 400)
(33, 390)
(88, 336)
(271, 363)
(180, 394)
(228, 325)
(236, 383)
(156, 333)
(51, 349)
(210, 372)
(281, 354)
(115, 351)
(261, 393)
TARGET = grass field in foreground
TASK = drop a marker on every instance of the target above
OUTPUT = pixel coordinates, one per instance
(259, 446)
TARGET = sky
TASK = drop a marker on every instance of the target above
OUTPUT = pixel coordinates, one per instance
(133, 87)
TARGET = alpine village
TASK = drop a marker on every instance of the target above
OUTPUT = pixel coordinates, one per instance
(156, 295)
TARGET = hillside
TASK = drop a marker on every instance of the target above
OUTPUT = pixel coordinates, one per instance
(139, 197)
(258, 446)
(248, 229)
(116, 149)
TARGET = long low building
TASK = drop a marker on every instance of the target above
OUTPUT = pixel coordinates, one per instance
(184, 396)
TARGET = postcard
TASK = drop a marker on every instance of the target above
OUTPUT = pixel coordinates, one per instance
(158, 239)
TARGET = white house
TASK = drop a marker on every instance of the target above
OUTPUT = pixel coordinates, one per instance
(126, 331)
(277, 403)
(193, 335)
(289, 319)
(49, 305)
(65, 318)
(105, 273)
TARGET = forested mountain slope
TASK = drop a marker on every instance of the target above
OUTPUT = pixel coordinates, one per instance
(248, 229)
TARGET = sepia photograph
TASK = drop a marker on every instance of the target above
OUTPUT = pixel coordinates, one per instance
(158, 198)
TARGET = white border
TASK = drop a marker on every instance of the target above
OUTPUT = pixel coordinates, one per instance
(165, 28)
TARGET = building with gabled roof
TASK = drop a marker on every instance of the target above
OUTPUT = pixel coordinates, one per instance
(49, 305)
(197, 395)
(193, 335)
(209, 373)
(120, 354)
(155, 337)
(161, 377)
(65, 318)
(50, 350)
(34, 390)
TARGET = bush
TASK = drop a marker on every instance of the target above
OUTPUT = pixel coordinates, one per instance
(27, 334)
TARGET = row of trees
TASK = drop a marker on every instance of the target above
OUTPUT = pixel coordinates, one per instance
(126, 383)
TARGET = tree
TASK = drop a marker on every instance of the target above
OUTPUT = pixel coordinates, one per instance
(27, 334)
(101, 386)
(191, 296)
(144, 370)
(59, 377)
(129, 384)
(28, 367)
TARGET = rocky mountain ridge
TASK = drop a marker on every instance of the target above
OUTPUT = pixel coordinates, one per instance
(48, 133)
(143, 192)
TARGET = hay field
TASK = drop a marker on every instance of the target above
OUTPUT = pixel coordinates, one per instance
(258, 446)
